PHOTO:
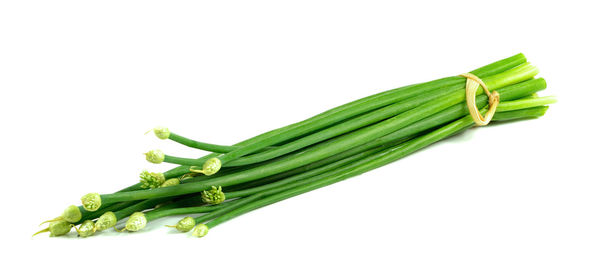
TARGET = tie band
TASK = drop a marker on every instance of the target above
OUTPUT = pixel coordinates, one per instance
(473, 83)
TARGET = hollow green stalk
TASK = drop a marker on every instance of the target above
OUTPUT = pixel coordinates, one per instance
(261, 192)
(352, 109)
(331, 170)
(233, 158)
(336, 130)
(340, 144)
(160, 212)
(508, 93)
(361, 106)
(201, 145)
(369, 163)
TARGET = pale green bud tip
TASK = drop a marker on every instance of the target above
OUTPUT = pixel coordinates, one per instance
(200, 230)
(136, 221)
(186, 224)
(151, 180)
(211, 166)
(213, 196)
(170, 183)
(91, 201)
(59, 228)
(106, 221)
(72, 214)
(162, 132)
(155, 156)
(87, 228)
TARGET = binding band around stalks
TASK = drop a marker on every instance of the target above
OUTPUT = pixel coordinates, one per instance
(473, 83)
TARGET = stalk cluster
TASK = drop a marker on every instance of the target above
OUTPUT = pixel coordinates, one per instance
(330, 147)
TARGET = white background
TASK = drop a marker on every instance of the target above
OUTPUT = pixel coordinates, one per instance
(81, 81)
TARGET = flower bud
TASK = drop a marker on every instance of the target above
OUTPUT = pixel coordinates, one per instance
(213, 196)
(87, 228)
(200, 230)
(210, 167)
(162, 132)
(107, 220)
(186, 224)
(72, 214)
(151, 180)
(155, 156)
(169, 183)
(91, 201)
(59, 228)
(136, 221)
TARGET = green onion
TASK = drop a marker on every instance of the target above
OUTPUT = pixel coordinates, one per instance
(347, 141)
(368, 163)
(335, 145)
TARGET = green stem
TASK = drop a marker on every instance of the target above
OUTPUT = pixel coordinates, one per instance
(509, 93)
(526, 103)
(352, 109)
(361, 106)
(233, 158)
(353, 124)
(331, 170)
(160, 213)
(201, 145)
(368, 163)
(87, 215)
(340, 144)
(139, 206)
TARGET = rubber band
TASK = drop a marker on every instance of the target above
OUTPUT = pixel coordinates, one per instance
(473, 83)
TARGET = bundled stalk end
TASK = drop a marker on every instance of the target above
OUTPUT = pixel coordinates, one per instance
(91, 201)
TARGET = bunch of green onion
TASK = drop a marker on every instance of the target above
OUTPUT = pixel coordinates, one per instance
(335, 145)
